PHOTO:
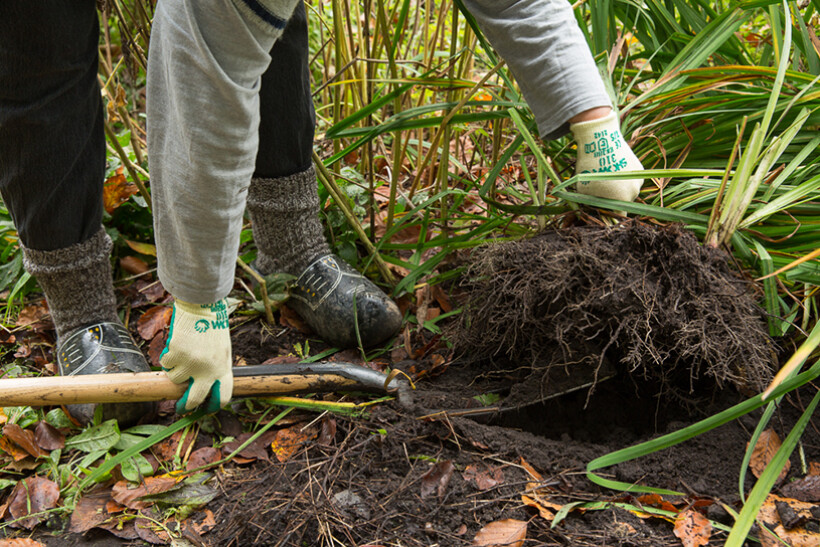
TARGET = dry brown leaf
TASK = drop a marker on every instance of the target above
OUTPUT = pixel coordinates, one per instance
(814, 468)
(20, 542)
(545, 513)
(207, 523)
(116, 191)
(48, 437)
(656, 500)
(328, 431)
(436, 479)
(148, 529)
(288, 441)
(12, 449)
(32, 314)
(32, 497)
(254, 451)
(767, 445)
(502, 533)
(90, 511)
(692, 528)
(154, 320)
(201, 457)
(770, 516)
(121, 527)
(24, 439)
(155, 348)
(442, 298)
(166, 450)
(134, 265)
(803, 489)
(484, 477)
(150, 485)
(530, 470)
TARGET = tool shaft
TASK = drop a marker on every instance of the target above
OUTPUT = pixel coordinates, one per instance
(155, 386)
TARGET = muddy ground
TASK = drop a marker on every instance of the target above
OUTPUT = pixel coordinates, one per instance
(469, 447)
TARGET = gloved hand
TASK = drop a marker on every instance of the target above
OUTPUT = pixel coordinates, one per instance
(198, 351)
(602, 149)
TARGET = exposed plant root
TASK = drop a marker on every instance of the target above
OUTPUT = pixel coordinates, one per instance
(652, 299)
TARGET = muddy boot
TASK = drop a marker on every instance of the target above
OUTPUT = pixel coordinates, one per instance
(342, 306)
(90, 337)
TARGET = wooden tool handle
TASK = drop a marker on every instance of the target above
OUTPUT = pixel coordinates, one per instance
(155, 386)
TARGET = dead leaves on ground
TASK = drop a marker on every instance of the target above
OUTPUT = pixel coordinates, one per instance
(766, 447)
(502, 533)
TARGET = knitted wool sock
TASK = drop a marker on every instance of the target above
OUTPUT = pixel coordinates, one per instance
(76, 281)
(286, 227)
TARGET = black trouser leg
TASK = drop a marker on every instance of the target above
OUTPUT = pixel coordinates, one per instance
(287, 115)
(52, 148)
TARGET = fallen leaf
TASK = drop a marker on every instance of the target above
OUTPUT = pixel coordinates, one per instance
(90, 511)
(804, 489)
(20, 542)
(201, 457)
(288, 441)
(116, 191)
(770, 516)
(142, 248)
(134, 265)
(530, 470)
(767, 445)
(166, 450)
(207, 524)
(7, 446)
(127, 496)
(545, 512)
(149, 530)
(154, 320)
(156, 346)
(328, 431)
(32, 314)
(33, 496)
(442, 298)
(257, 450)
(655, 500)
(484, 478)
(692, 528)
(502, 533)
(48, 437)
(25, 439)
(436, 479)
(121, 527)
(289, 318)
(814, 468)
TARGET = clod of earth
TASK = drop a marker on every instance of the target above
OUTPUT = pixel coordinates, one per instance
(650, 300)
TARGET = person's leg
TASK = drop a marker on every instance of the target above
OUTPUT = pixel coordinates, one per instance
(548, 54)
(282, 199)
(52, 161)
(206, 61)
(342, 306)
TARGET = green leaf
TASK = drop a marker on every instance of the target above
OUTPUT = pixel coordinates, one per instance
(57, 417)
(136, 467)
(102, 437)
(195, 495)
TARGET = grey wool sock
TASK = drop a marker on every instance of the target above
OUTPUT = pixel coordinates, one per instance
(286, 227)
(77, 282)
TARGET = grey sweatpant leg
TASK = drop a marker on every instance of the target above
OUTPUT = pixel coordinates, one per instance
(205, 65)
(548, 55)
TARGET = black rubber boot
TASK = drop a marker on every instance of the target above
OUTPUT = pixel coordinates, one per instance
(99, 349)
(90, 338)
(344, 308)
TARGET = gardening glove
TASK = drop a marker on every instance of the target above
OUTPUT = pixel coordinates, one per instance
(198, 351)
(602, 149)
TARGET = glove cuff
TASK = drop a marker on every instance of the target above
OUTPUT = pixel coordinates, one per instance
(586, 130)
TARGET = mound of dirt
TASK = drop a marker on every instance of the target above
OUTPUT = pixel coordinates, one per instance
(650, 300)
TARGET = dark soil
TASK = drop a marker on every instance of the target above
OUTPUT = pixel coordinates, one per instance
(403, 474)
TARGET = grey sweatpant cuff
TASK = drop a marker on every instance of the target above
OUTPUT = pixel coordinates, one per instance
(76, 281)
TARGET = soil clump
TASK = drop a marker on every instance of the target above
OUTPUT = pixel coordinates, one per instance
(588, 301)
